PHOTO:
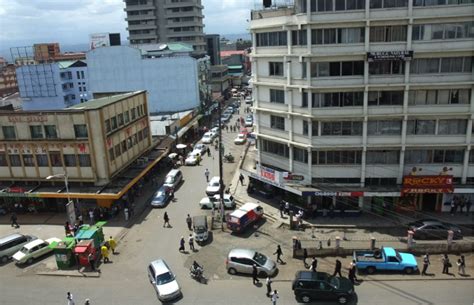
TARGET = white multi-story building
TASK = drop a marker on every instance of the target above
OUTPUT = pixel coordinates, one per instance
(357, 95)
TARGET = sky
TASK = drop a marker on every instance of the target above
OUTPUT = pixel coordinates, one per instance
(24, 22)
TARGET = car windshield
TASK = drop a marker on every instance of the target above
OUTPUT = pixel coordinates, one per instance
(200, 230)
(260, 258)
(397, 254)
(24, 250)
(164, 278)
(160, 196)
(215, 184)
(169, 180)
(335, 282)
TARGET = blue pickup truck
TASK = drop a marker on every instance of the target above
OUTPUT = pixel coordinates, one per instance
(385, 258)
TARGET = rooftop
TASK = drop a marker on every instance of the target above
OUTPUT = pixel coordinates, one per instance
(104, 101)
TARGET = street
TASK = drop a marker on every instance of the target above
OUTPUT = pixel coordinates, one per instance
(125, 281)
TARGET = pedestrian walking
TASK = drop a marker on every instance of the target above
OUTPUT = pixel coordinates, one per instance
(274, 297)
(14, 220)
(91, 260)
(189, 222)
(426, 263)
(337, 269)
(206, 173)
(181, 244)
(91, 216)
(279, 253)
(254, 274)
(446, 264)
(105, 253)
(112, 244)
(453, 206)
(268, 283)
(241, 179)
(314, 264)
(305, 256)
(198, 159)
(166, 220)
(208, 151)
(287, 208)
(461, 265)
(352, 272)
(69, 298)
(282, 208)
(191, 242)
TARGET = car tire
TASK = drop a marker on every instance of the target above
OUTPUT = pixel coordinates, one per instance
(232, 271)
(370, 270)
(4, 259)
(408, 270)
(305, 298)
(342, 299)
(29, 261)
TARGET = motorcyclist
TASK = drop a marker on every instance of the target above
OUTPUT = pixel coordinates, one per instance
(196, 268)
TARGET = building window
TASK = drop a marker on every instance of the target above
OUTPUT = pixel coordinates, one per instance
(120, 119)
(386, 67)
(133, 113)
(338, 5)
(452, 127)
(107, 126)
(271, 39)
(84, 160)
(376, 128)
(55, 159)
(300, 155)
(124, 146)
(70, 160)
(337, 36)
(126, 117)
(111, 154)
(129, 143)
(9, 132)
(82, 74)
(36, 132)
(117, 150)
(275, 68)
(145, 133)
(345, 68)
(383, 157)
(448, 65)
(15, 160)
(80, 130)
(50, 131)
(299, 38)
(388, 33)
(433, 156)
(277, 122)
(113, 122)
(421, 127)
(42, 160)
(3, 159)
(344, 128)
(443, 31)
(440, 2)
(78, 75)
(337, 157)
(279, 149)
(338, 99)
(28, 160)
(471, 156)
(439, 97)
(385, 98)
(388, 3)
(277, 96)
(140, 136)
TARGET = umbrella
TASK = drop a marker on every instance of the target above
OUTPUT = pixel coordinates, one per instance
(172, 155)
(181, 146)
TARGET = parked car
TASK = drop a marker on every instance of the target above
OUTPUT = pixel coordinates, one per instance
(215, 130)
(241, 139)
(248, 100)
(201, 148)
(310, 286)
(225, 118)
(191, 159)
(385, 258)
(161, 197)
(230, 109)
(207, 202)
(213, 186)
(207, 137)
(163, 280)
(11, 244)
(173, 178)
(248, 122)
(35, 249)
(200, 229)
(243, 217)
(433, 229)
(242, 261)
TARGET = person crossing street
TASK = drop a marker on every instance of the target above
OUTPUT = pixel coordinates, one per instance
(279, 253)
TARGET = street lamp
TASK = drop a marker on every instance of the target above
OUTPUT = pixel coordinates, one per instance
(71, 212)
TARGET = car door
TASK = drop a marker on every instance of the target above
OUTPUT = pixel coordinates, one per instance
(441, 231)
(324, 290)
(32, 252)
(42, 249)
(392, 263)
(246, 265)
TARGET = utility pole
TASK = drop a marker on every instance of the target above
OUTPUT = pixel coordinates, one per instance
(221, 172)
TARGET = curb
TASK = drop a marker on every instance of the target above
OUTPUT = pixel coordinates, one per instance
(84, 275)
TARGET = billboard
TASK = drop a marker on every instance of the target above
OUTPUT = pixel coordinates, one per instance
(99, 40)
(427, 184)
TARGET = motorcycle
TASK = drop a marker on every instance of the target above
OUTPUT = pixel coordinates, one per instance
(228, 158)
(197, 272)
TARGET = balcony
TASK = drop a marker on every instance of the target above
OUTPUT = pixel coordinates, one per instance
(143, 7)
(140, 17)
(150, 26)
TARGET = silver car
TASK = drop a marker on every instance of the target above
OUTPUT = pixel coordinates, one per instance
(163, 280)
(242, 261)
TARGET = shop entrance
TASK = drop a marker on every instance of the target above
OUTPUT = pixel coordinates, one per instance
(429, 202)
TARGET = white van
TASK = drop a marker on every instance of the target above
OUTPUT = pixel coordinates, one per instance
(173, 178)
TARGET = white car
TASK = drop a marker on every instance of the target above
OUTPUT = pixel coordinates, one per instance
(208, 137)
(34, 249)
(191, 159)
(241, 138)
(248, 122)
(207, 202)
(163, 280)
(215, 130)
(201, 148)
(213, 186)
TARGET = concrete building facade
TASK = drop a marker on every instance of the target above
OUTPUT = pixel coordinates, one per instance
(163, 21)
(355, 96)
(214, 48)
